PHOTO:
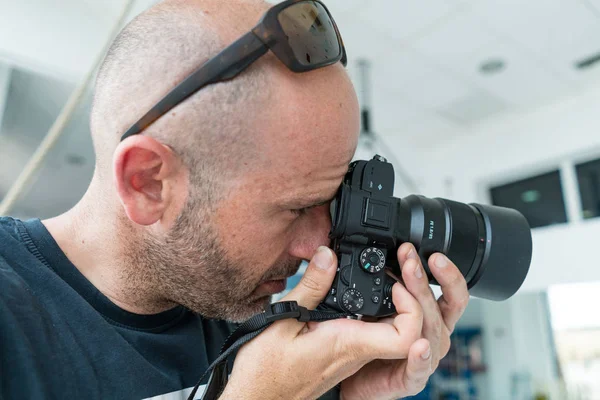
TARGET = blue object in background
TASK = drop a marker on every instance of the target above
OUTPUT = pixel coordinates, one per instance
(292, 281)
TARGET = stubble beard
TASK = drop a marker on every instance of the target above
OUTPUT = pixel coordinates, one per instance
(190, 267)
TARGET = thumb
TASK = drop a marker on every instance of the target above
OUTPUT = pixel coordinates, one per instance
(317, 279)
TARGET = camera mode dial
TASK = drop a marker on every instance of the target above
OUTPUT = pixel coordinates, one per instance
(372, 260)
(353, 300)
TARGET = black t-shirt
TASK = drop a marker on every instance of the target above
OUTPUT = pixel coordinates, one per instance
(61, 338)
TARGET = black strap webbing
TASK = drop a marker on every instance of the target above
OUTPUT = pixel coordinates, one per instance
(248, 331)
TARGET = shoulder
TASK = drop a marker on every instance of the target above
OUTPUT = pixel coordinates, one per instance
(12, 251)
(20, 310)
(14, 291)
(9, 228)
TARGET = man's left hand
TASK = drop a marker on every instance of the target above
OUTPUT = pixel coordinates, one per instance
(393, 379)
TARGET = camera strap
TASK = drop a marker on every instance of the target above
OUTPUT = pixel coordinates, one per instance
(248, 331)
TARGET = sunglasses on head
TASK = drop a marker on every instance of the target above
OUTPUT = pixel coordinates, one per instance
(301, 33)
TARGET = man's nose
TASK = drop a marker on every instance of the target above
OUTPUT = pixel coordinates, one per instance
(312, 232)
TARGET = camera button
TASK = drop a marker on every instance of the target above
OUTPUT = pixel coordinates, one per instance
(346, 275)
(376, 298)
(377, 281)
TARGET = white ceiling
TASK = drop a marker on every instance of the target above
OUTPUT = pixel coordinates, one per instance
(424, 54)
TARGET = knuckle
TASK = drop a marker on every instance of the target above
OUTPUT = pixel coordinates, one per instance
(425, 291)
(456, 279)
(409, 266)
(455, 303)
(310, 283)
(461, 304)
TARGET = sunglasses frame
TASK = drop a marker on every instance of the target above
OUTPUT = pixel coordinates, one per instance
(230, 62)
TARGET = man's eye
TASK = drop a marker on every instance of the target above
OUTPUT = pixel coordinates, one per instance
(301, 211)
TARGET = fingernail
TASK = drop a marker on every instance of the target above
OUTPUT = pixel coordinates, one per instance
(441, 261)
(427, 354)
(412, 254)
(323, 258)
(418, 272)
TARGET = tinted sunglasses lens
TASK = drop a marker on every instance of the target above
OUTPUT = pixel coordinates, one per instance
(311, 33)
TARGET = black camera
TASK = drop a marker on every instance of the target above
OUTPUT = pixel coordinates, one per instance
(490, 245)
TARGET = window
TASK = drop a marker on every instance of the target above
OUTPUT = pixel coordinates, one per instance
(588, 176)
(539, 199)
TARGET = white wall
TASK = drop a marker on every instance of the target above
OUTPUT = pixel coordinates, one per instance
(517, 146)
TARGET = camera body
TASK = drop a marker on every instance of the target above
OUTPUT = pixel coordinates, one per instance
(491, 246)
(364, 214)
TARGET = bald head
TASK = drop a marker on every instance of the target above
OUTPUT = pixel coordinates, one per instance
(154, 53)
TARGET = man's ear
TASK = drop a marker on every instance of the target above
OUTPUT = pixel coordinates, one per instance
(147, 176)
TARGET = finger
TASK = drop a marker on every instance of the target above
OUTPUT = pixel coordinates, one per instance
(311, 289)
(455, 297)
(405, 303)
(417, 284)
(409, 321)
(316, 281)
(403, 251)
(389, 338)
(418, 367)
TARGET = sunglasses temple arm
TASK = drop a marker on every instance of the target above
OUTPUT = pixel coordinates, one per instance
(224, 66)
(243, 52)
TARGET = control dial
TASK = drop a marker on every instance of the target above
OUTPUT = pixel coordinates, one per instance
(372, 260)
(353, 300)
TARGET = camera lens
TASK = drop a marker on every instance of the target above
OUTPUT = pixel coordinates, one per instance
(490, 245)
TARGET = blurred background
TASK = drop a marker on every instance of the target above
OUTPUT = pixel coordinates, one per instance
(492, 101)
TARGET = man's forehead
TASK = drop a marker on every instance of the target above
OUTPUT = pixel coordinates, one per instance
(311, 168)
(310, 133)
(307, 181)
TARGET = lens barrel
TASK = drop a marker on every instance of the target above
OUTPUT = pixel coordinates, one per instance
(491, 246)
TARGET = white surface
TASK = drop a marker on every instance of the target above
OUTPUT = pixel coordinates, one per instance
(573, 306)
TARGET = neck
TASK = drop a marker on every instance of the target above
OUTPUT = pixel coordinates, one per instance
(93, 240)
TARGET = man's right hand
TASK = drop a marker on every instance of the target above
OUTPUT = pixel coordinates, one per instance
(298, 360)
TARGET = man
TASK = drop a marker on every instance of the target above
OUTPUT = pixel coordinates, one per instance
(199, 218)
